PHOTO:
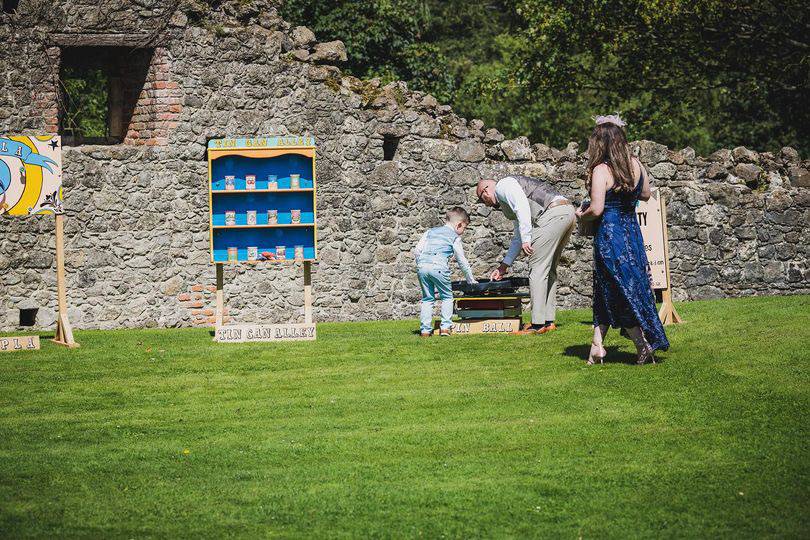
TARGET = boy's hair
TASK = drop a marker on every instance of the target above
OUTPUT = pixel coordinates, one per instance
(457, 215)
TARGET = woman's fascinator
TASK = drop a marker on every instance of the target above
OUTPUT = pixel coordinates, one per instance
(609, 119)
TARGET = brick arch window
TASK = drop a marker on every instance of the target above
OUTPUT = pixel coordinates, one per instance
(113, 89)
(100, 88)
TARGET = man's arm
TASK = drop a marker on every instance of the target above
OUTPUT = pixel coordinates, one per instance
(514, 247)
(510, 193)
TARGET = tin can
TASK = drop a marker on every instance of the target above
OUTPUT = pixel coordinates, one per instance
(295, 216)
(230, 217)
(281, 252)
(272, 217)
(230, 182)
(250, 181)
(251, 217)
(299, 253)
(272, 182)
(253, 253)
(233, 254)
(295, 181)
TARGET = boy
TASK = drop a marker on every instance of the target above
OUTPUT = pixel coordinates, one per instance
(432, 253)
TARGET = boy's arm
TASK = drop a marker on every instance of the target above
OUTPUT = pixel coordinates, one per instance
(458, 251)
(420, 245)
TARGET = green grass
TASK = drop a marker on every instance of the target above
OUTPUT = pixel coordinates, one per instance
(371, 431)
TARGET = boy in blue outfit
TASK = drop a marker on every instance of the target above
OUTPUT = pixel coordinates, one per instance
(432, 253)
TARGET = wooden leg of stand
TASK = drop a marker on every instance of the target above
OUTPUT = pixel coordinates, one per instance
(668, 314)
(220, 296)
(64, 332)
(307, 292)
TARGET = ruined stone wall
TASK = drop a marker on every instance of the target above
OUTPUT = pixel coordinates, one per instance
(137, 220)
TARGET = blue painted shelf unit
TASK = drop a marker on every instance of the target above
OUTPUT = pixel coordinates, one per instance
(274, 219)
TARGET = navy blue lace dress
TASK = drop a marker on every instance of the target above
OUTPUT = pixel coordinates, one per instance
(622, 294)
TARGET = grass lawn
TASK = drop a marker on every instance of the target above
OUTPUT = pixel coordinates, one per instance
(371, 431)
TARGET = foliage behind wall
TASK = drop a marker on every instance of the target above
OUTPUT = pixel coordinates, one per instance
(704, 73)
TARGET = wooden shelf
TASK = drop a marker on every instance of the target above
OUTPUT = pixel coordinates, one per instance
(263, 226)
(242, 191)
(277, 261)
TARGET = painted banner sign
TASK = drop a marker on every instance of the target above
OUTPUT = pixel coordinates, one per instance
(651, 221)
(30, 175)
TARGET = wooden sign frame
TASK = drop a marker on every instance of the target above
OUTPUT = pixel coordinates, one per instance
(668, 314)
(42, 194)
(297, 155)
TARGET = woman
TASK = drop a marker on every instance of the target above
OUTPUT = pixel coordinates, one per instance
(622, 293)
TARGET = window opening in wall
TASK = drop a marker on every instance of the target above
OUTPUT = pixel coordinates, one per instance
(99, 89)
(28, 316)
(390, 145)
(10, 6)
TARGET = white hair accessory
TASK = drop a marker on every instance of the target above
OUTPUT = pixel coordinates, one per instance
(609, 119)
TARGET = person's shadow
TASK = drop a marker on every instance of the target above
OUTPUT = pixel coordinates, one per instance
(614, 355)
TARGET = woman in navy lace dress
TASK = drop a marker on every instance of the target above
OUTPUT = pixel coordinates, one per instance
(622, 292)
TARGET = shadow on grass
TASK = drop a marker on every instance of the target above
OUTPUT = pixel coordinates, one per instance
(614, 355)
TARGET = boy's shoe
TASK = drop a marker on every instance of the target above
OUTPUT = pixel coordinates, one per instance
(425, 334)
(444, 332)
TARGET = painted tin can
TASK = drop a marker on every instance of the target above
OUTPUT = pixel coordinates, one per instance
(230, 182)
(281, 252)
(299, 253)
(233, 254)
(272, 217)
(250, 181)
(272, 182)
(295, 216)
(295, 181)
(251, 217)
(253, 253)
(230, 217)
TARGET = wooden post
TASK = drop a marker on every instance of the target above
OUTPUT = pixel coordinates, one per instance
(220, 296)
(64, 332)
(307, 292)
(668, 314)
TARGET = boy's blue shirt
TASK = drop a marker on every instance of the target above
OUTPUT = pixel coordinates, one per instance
(436, 247)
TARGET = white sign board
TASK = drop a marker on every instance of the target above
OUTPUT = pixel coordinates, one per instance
(244, 333)
(651, 221)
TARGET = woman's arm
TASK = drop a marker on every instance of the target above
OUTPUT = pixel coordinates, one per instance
(646, 192)
(599, 183)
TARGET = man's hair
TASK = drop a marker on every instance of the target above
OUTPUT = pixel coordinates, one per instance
(458, 215)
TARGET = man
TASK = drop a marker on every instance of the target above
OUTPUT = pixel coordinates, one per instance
(544, 220)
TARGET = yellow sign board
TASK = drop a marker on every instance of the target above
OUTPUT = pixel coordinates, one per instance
(30, 175)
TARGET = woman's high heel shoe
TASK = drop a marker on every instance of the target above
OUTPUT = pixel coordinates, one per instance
(646, 355)
(597, 354)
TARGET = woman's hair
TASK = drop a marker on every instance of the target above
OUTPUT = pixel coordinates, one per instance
(608, 144)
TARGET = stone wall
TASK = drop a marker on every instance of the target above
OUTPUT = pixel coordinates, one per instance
(137, 220)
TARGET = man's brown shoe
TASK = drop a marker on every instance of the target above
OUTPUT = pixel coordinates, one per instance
(547, 329)
(527, 330)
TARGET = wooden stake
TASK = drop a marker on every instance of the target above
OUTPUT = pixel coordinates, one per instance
(307, 292)
(64, 332)
(668, 314)
(220, 295)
